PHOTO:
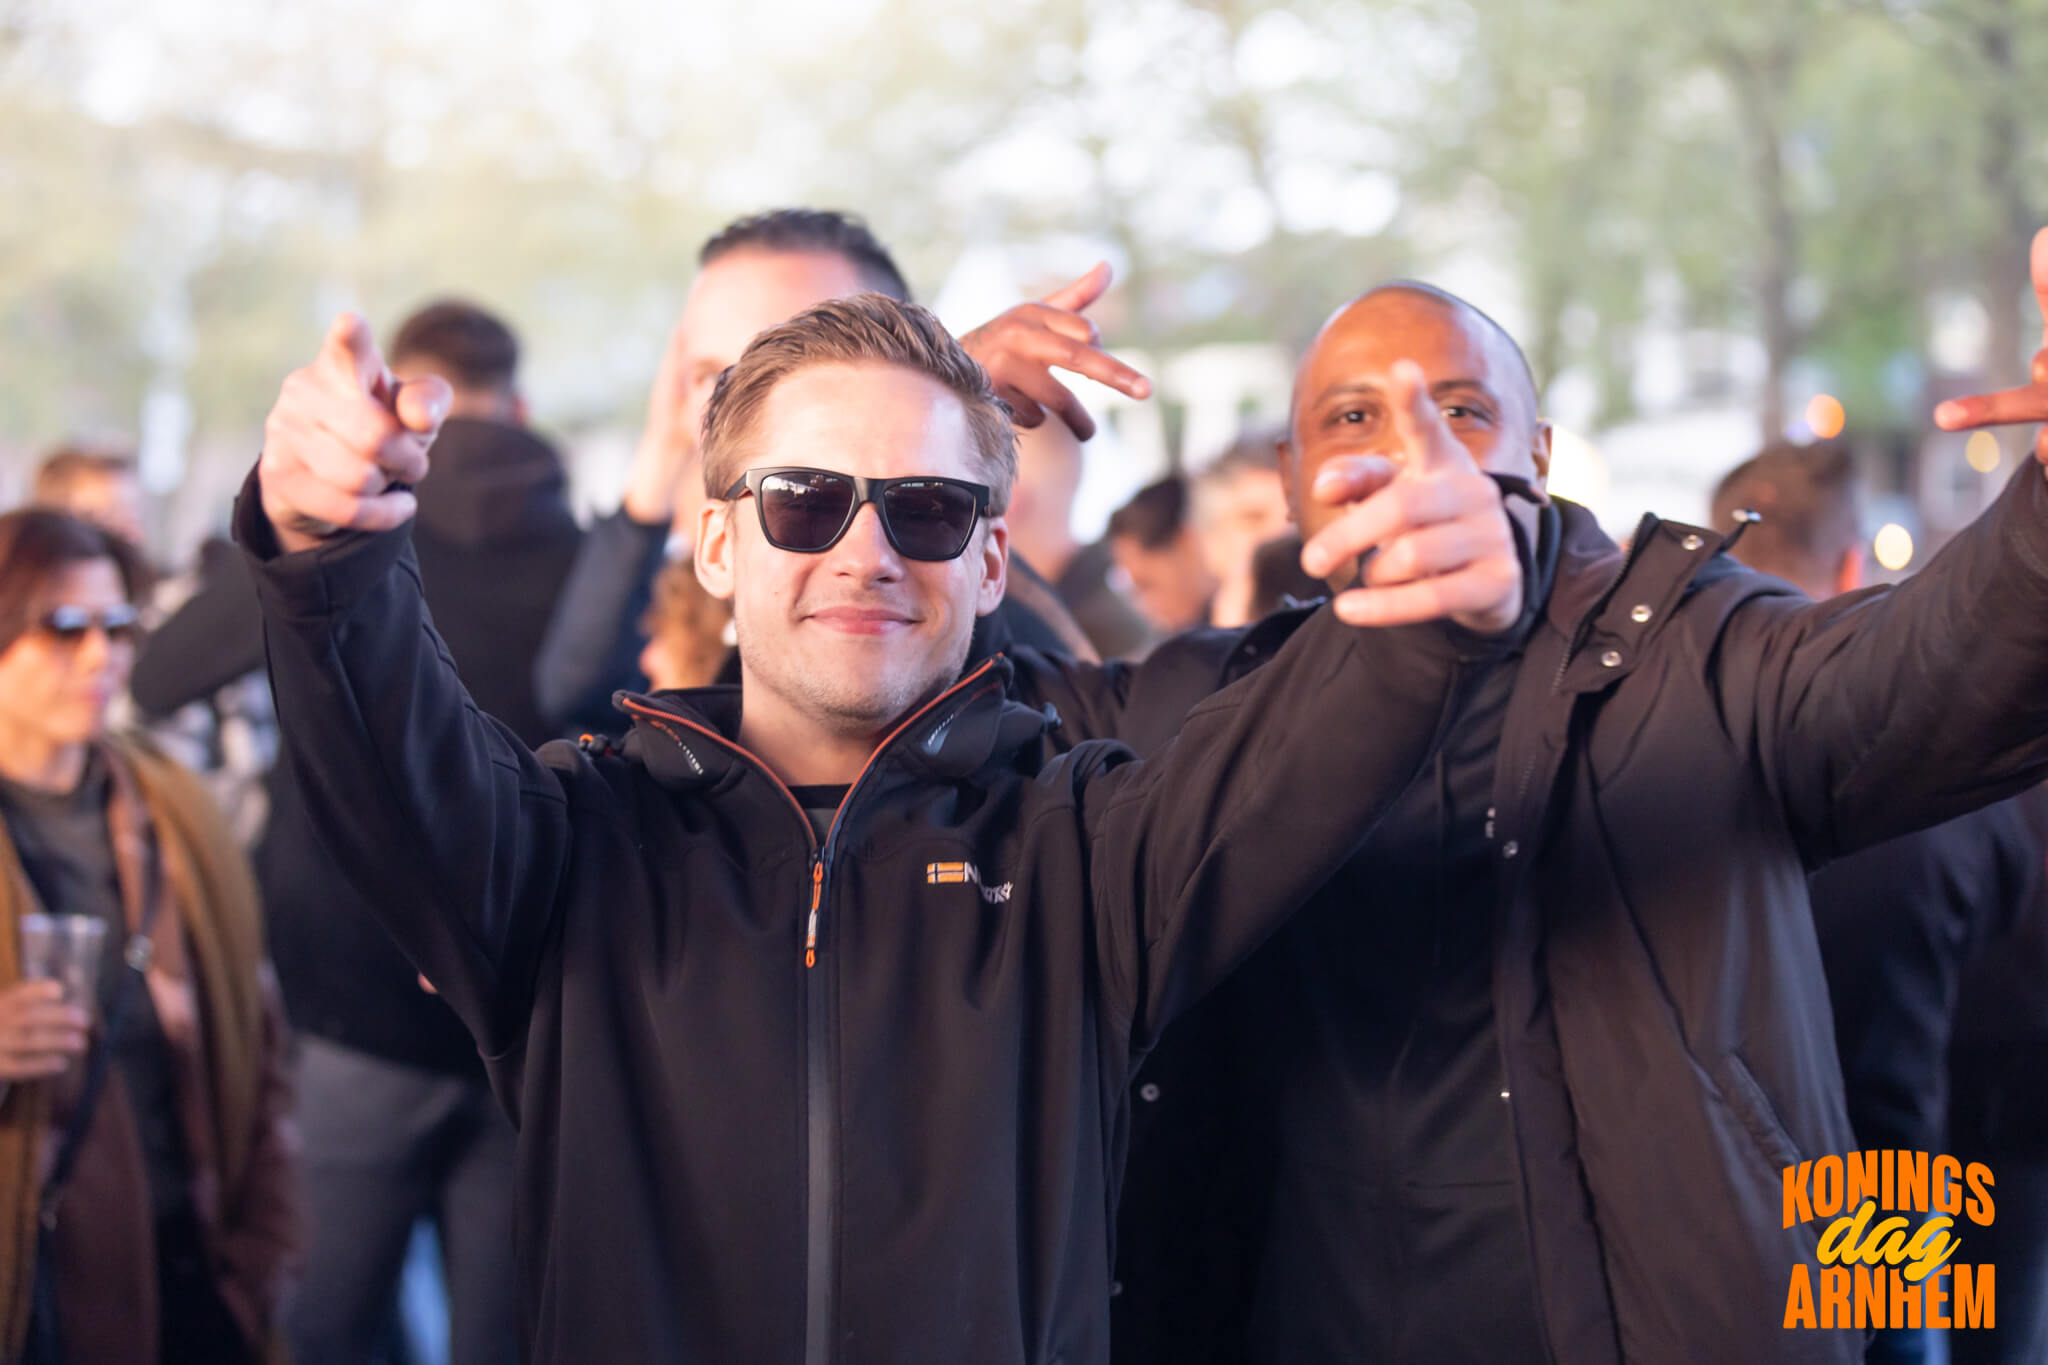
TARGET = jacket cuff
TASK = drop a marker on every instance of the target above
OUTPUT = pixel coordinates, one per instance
(323, 582)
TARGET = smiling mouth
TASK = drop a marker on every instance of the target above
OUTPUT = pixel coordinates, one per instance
(860, 620)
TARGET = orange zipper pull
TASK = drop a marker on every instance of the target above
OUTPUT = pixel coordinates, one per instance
(817, 894)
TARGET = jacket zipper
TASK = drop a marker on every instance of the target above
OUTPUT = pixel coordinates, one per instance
(820, 1103)
(821, 1120)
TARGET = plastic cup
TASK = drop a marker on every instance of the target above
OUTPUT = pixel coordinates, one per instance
(66, 949)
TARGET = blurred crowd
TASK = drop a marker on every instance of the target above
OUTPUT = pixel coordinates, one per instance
(234, 1147)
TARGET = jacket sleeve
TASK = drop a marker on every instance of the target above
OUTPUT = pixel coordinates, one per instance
(592, 645)
(1089, 698)
(1199, 853)
(213, 639)
(453, 832)
(1889, 710)
(1142, 704)
(261, 1239)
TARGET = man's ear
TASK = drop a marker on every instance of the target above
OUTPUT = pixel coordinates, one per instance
(1539, 451)
(995, 566)
(717, 546)
(1849, 573)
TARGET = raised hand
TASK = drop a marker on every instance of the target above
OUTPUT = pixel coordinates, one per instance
(345, 441)
(39, 1032)
(1019, 349)
(2028, 403)
(1432, 523)
(667, 453)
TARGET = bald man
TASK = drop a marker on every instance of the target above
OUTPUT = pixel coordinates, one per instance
(1539, 1058)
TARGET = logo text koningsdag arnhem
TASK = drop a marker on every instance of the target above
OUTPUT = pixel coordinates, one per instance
(1887, 1257)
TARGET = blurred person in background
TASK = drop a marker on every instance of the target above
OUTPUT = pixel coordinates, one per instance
(1156, 550)
(1041, 516)
(1998, 1114)
(688, 631)
(227, 737)
(152, 1123)
(1899, 922)
(98, 484)
(1238, 504)
(752, 274)
(399, 1122)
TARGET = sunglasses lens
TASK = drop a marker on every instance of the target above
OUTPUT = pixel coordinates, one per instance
(69, 625)
(929, 520)
(803, 512)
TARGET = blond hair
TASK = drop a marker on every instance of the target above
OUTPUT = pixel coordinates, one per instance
(862, 329)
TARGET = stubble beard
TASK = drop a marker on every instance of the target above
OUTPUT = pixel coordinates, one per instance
(842, 702)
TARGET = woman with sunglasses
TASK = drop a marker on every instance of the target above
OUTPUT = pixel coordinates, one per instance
(147, 1189)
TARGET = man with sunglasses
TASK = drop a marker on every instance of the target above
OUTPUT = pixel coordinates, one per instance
(755, 272)
(817, 1002)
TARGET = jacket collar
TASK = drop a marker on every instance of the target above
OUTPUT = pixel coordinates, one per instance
(1606, 605)
(688, 739)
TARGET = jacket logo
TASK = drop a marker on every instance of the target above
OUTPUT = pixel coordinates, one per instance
(947, 874)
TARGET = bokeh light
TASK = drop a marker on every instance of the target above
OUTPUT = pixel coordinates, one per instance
(1825, 415)
(1893, 546)
(1981, 451)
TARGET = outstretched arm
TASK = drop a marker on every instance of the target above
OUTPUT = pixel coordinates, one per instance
(1887, 711)
(454, 833)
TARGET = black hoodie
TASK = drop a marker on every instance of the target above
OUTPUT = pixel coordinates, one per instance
(495, 540)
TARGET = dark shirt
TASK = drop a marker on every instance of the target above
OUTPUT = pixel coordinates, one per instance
(820, 805)
(67, 853)
(1396, 1176)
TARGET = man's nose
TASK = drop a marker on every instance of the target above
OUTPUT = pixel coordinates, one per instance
(864, 552)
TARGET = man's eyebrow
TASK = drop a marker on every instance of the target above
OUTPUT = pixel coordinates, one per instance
(1367, 388)
(1347, 387)
(1478, 386)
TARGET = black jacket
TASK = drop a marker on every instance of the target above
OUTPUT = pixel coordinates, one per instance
(495, 539)
(1687, 738)
(1899, 924)
(907, 1150)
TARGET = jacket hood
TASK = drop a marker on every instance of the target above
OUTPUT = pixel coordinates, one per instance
(688, 739)
(491, 483)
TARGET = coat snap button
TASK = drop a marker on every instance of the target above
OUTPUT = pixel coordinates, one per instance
(1148, 1092)
(1692, 542)
(1510, 849)
(1611, 659)
(1640, 613)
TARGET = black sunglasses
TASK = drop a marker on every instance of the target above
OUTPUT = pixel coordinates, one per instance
(806, 511)
(69, 625)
